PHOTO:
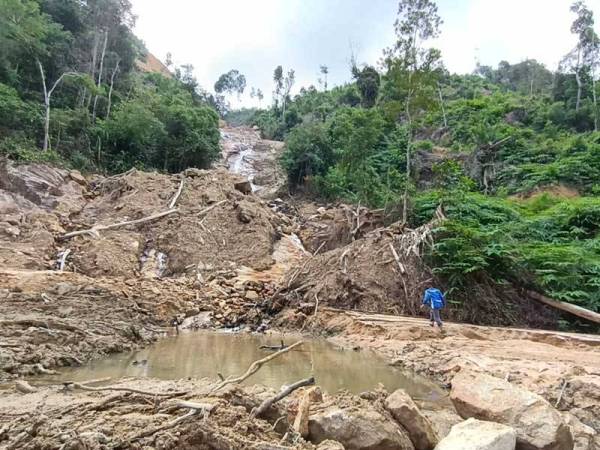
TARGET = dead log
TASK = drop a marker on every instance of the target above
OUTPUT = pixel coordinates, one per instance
(82, 386)
(195, 409)
(397, 258)
(210, 208)
(273, 347)
(94, 231)
(562, 392)
(254, 367)
(176, 196)
(256, 412)
(567, 307)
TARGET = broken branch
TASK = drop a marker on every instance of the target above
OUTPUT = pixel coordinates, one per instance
(176, 196)
(397, 258)
(210, 208)
(195, 408)
(282, 394)
(94, 231)
(121, 389)
(254, 367)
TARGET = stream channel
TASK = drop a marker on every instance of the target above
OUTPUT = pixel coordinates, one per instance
(201, 354)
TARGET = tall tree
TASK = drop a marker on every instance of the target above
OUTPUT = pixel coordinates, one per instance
(584, 56)
(278, 80)
(288, 82)
(367, 81)
(324, 70)
(414, 64)
(231, 82)
(47, 98)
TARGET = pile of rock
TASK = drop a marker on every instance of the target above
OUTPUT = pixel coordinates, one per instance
(235, 303)
(499, 416)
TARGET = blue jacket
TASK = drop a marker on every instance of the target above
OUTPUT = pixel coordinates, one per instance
(434, 298)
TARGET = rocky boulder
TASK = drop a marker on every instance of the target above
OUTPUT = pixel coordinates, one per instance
(407, 414)
(361, 429)
(47, 187)
(473, 434)
(583, 391)
(330, 445)
(586, 438)
(538, 425)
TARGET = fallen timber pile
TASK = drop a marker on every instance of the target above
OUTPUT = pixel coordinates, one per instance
(367, 273)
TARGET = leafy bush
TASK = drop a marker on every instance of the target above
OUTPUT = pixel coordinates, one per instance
(161, 127)
(308, 153)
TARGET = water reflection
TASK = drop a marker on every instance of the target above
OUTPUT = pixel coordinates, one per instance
(204, 354)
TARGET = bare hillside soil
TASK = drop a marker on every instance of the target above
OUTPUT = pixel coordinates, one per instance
(96, 265)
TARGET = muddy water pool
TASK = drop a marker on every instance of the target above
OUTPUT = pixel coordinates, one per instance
(204, 354)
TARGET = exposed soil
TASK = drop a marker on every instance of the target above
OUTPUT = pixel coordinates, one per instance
(230, 258)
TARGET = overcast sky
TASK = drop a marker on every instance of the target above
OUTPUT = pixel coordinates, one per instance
(254, 36)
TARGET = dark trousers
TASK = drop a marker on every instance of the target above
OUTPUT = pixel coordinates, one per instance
(434, 316)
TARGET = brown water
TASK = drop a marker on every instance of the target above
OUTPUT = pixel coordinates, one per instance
(204, 354)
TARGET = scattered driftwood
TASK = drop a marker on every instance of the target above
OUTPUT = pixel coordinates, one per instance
(273, 347)
(256, 412)
(195, 409)
(210, 208)
(562, 392)
(254, 367)
(176, 196)
(95, 230)
(397, 258)
(298, 271)
(412, 241)
(567, 307)
(83, 386)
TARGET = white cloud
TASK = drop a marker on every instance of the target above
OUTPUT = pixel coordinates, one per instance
(255, 36)
(512, 30)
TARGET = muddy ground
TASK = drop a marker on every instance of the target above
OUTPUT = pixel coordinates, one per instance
(223, 256)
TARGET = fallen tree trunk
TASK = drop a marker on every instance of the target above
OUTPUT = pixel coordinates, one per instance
(83, 386)
(195, 409)
(94, 231)
(210, 208)
(176, 196)
(284, 393)
(567, 307)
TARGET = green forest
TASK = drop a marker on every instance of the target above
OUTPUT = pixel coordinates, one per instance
(512, 152)
(71, 92)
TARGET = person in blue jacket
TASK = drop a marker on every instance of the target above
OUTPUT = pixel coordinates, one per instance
(435, 300)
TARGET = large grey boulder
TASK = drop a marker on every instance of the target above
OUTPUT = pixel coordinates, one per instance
(363, 429)
(407, 414)
(539, 426)
(585, 437)
(473, 434)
